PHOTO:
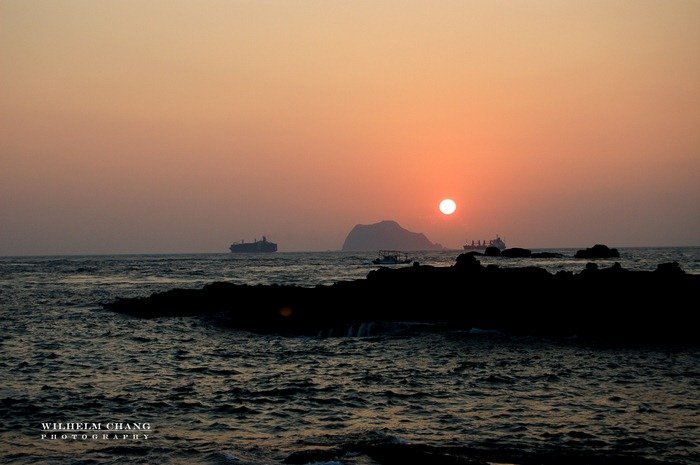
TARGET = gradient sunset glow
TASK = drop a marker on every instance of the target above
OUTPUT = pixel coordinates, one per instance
(181, 126)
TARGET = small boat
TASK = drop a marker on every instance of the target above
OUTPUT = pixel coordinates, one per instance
(482, 245)
(391, 257)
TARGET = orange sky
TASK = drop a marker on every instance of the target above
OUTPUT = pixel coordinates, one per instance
(181, 126)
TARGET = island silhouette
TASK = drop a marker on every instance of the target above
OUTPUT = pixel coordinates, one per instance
(386, 235)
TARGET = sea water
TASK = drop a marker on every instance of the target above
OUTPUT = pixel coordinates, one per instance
(215, 395)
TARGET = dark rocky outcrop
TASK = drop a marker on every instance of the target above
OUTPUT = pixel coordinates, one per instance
(670, 268)
(516, 252)
(607, 304)
(386, 235)
(598, 251)
(492, 251)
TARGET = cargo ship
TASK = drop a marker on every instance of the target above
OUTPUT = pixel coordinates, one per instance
(263, 246)
(482, 245)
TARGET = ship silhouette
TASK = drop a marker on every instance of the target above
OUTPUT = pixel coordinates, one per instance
(263, 246)
(483, 245)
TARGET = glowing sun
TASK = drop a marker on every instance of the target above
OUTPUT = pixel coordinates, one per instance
(448, 206)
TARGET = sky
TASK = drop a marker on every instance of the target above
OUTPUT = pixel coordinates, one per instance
(173, 126)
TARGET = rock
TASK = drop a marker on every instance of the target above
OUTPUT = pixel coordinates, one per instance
(615, 268)
(516, 252)
(546, 255)
(591, 270)
(670, 268)
(598, 251)
(467, 262)
(492, 252)
(608, 304)
(386, 235)
(474, 253)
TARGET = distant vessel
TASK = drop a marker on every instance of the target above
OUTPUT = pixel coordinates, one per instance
(391, 257)
(263, 246)
(479, 245)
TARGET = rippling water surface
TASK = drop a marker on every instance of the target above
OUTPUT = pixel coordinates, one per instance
(214, 395)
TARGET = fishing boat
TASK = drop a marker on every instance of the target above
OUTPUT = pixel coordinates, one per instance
(391, 257)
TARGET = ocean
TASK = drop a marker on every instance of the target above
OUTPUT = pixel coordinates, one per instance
(206, 394)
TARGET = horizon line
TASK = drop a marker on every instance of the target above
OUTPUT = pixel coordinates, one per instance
(111, 254)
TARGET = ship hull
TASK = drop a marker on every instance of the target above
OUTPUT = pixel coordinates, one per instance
(475, 247)
(254, 247)
(497, 242)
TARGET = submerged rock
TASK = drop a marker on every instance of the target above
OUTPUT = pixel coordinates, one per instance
(474, 253)
(546, 255)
